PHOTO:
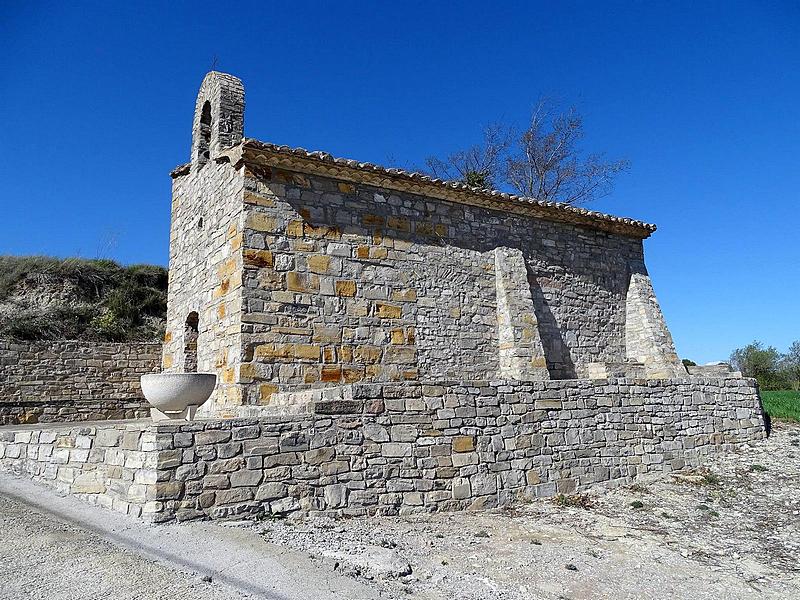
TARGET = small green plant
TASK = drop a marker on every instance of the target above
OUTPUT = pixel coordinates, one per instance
(710, 511)
(710, 478)
(758, 468)
(576, 501)
(637, 504)
(639, 488)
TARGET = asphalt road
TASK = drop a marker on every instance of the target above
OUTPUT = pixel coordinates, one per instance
(53, 547)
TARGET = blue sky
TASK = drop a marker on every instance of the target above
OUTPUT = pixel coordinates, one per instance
(702, 98)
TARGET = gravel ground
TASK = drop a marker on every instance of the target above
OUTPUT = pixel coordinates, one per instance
(728, 530)
(58, 547)
(42, 557)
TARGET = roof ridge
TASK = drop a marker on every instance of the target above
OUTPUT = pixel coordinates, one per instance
(454, 185)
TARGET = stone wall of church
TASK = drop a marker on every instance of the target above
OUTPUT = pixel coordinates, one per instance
(345, 282)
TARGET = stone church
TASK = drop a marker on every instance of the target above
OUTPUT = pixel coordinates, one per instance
(292, 270)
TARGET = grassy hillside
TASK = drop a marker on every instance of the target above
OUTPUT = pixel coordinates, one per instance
(50, 298)
(782, 405)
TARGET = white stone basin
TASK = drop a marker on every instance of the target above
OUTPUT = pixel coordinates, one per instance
(177, 395)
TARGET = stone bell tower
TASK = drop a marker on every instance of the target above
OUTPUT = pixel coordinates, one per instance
(204, 302)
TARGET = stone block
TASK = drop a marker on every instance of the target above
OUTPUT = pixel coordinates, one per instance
(284, 505)
(463, 443)
(396, 450)
(461, 488)
(271, 491)
(92, 482)
(211, 436)
(168, 490)
(388, 311)
(108, 438)
(245, 478)
(319, 456)
(336, 495)
(169, 459)
(233, 496)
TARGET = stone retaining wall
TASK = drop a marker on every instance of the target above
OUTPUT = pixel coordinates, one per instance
(58, 380)
(109, 464)
(398, 448)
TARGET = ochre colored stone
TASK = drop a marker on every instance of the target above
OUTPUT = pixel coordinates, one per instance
(346, 188)
(319, 263)
(328, 354)
(222, 289)
(261, 222)
(301, 282)
(352, 374)
(221, 311)
(399, 223)
(265, 392)
(331, 373)
(378, 252)
(388, 311)
(346, 288)
(228, 375)
(322, 231)
(311, 374)
(369, 220)
(295, 229)
(397, 336)
(362, 252)
(168, 361)
(227, 267)
(247, 371)
(167, 337)
(424, 228)
(258, 258)
(463, 443)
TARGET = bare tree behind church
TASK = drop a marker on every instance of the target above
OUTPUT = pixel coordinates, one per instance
(544, 161)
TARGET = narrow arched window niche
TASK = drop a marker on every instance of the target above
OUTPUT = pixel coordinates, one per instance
(190, 334)
(204, 139)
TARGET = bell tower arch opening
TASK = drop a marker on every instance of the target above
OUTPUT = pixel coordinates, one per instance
(218, 117)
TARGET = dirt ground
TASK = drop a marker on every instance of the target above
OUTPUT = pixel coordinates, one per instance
(730, 529)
